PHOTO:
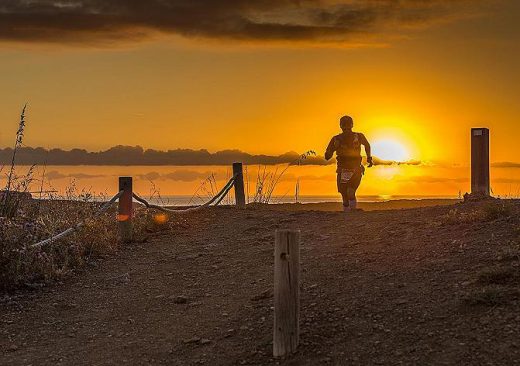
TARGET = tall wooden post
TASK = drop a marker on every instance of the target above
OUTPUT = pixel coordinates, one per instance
(286, 332)
(125, 213)
(240, 197)
(480, 161)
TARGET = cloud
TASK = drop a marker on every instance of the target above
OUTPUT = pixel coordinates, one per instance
(291, 177)
(136, 155)
(432, 180)
(54, 175)
(186, 175)
(378, 161)
(506, 180)
(181, 175)
(113, 21)
(149, 176)
(505, 164)
(85, 176)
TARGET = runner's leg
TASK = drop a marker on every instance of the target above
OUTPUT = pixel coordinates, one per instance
(343, 190)
(352, 187)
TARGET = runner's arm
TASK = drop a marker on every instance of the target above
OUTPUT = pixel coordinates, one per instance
(368, 149)
(330, 149)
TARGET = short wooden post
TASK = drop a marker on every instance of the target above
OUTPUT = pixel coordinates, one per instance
(124, 216)
(480, 161)
(286, 332)
(240, 197)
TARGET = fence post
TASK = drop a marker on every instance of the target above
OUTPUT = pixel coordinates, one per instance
(125, 213)
(240, 197)
(480, 161)
(286, 332)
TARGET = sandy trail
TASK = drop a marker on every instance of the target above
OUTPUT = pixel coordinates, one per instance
(385, 287)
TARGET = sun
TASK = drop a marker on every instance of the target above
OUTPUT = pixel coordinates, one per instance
(390, 150)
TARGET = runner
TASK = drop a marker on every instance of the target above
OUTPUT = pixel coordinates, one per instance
(347, 146)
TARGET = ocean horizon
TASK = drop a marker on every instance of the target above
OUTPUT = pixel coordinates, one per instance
(186, 200)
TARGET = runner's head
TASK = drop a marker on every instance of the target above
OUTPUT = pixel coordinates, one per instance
(346, 123)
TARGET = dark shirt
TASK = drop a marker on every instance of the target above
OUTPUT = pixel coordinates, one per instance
(347, 146)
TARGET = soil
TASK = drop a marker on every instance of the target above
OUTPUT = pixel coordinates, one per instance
(418, 286)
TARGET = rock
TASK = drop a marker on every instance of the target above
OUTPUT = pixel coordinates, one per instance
(180, 300)
(205, 341)
(229, 333)
(192, 340)
(12, 348)
(262, 296)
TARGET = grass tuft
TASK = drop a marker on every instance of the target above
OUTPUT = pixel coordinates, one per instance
(22, 265)
(484, 212)
(25, 221)
(491, 296)
(494, 211)
(498, 276)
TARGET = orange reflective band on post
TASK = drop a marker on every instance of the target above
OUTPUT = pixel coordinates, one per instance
(125, 209)
(123, 218)
(160, 218)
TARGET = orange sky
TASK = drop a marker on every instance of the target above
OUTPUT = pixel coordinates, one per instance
(422, 86)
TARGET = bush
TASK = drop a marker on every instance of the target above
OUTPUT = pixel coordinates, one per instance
(486, 211)
(20, 264)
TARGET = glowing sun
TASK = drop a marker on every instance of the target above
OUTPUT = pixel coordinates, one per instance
(390, 150)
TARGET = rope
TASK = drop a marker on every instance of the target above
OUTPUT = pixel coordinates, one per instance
(79, 225)
(219, 196)
(225, 193)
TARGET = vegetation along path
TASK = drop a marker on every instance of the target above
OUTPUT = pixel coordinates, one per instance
(436, 285)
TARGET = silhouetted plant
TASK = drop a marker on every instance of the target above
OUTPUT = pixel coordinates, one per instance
(16, 186)
(266, 182)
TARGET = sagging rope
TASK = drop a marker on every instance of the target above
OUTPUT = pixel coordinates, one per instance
(218, 197)
(103, 208)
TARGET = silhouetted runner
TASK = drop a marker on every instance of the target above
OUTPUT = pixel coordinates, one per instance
(347, 146)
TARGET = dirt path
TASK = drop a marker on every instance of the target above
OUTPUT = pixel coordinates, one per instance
(418, 286)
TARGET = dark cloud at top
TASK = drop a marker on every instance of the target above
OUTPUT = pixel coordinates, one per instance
(91, 21)
(136, 155)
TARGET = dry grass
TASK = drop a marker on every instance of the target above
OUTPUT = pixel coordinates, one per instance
(24, 222)
(16, 186)
(495, 211)
(266, 182)
(483, 212)
(21, 265)
(499, 276)
(492, 295)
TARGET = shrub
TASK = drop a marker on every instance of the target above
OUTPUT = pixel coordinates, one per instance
(21, 264)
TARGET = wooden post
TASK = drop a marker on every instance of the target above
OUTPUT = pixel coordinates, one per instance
(240, 197)
(286, 332)
(480, 161)
(125, 213)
